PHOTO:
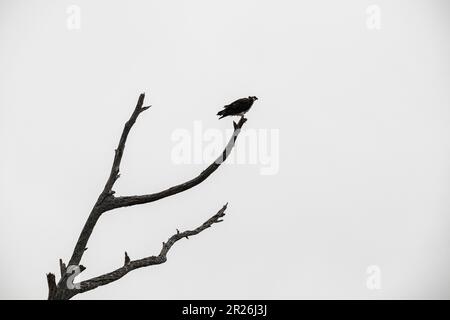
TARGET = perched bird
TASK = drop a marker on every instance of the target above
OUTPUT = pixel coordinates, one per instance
(237, 108)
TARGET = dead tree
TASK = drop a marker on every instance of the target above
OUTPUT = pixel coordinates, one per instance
(107, 201)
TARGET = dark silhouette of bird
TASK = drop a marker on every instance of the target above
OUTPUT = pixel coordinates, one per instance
(237, 108)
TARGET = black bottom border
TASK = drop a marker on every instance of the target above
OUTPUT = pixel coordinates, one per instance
(223, 309)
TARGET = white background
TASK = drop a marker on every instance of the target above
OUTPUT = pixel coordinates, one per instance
(363, 117)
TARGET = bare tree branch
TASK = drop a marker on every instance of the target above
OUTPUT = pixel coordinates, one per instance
(52, 288)
(127, 259)
(148, 261)
(62, 267)
(107, 191)
(107, 201)
(114, 175)
(125, 201)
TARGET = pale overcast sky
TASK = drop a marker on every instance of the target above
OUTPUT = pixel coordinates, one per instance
(354, 95)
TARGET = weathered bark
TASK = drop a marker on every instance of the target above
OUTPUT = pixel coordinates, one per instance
(107, 201)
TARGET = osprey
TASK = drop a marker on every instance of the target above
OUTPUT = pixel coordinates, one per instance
(237, 108)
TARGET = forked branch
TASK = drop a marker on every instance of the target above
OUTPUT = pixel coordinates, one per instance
(108, 201)
(131, 265)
